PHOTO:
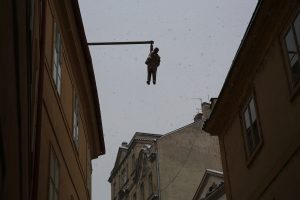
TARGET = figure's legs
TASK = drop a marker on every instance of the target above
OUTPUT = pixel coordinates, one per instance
(154, 75)
(149, 75)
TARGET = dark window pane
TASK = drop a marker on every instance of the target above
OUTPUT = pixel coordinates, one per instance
(58, 85)
(297, 28)
(294, 61)
(247, 118)
(249, 140)
(296, 70)
(55, 68)
(255, 133)
(291, 44)
(252, 110)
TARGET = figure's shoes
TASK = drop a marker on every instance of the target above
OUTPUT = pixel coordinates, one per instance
(148, 82)
(154, 82)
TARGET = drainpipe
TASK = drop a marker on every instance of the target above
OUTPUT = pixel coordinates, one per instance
(36, 159)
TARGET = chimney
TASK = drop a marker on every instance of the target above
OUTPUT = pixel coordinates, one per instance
(206, 110)
(198, 117)
(213, 102)
(124, 144)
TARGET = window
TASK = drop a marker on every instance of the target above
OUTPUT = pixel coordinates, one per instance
(150, 184)
(54, 177)
(133, 162)
(124, 176)
(57, 58)
(142, 191)
(250, 121)
(292, 41)
(76, 121)
(134, 196)
(114, 189)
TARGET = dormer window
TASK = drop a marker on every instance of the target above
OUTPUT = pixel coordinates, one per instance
(292, 41)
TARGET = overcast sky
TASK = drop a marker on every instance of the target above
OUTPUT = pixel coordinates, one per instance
(197, 40)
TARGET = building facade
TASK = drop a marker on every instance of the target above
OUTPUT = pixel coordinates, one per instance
(183, 157)
(50, 121)
(166, 167)
(135, 173)
(256, 115)
(15, 102)
(211, 186)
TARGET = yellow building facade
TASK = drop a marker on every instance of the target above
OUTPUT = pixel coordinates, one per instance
(58, 100)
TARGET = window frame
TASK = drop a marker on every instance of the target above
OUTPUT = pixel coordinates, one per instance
(250, 155)
(52, 180)
(142, 191)
(133, 162)
(294, 86)
(76, 120)
(124, 175)
(150, 183)
(134, 196)
(57, 58)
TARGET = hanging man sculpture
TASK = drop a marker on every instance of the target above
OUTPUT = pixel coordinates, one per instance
(152, 62)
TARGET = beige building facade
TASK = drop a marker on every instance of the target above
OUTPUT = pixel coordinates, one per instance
(183, 157)
(135, 173)
(50, 120)
(168, 167)
(257, 113)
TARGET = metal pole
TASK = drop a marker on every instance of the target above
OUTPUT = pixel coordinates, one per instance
(121, 43)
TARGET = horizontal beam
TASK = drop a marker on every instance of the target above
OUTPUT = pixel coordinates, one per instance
(121, 43)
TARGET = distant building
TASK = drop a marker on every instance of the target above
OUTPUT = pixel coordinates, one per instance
(257, 113)
(211, 186)
(134, 175)
(50, 122)
(166, 167)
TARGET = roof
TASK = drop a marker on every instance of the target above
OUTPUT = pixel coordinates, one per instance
(91, 74)
(209, 173)
(208, 125)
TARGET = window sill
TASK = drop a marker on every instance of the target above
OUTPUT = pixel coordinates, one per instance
(251, 157)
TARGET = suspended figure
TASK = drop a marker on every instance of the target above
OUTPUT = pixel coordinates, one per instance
(153, 61)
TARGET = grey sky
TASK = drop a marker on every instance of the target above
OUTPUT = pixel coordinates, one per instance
(197, 39)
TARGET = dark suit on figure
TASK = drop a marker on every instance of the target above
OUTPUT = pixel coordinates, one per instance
(152, 62)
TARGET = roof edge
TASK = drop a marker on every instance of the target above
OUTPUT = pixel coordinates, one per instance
(207, 126)
(91, 74)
